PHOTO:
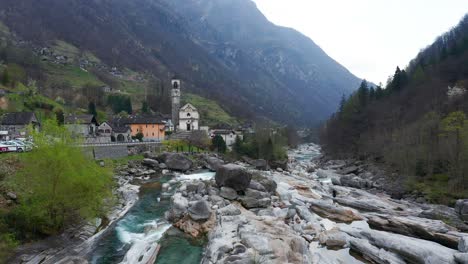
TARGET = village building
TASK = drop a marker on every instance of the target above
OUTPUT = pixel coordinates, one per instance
(104, 130)
(121, 131)
(82, 125)
(229, 136)
(15, 124)
(152, 127)
(121, 134)
(189, 118)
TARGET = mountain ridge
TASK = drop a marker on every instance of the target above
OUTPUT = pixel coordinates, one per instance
(234, 55)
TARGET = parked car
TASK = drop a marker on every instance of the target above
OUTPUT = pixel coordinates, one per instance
(24, 145)
(3, 148)
(15, 146)
(8, 146)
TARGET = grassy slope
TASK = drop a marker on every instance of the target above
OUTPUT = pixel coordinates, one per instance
(210, 111)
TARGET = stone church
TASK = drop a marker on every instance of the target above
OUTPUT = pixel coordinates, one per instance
(185, 118)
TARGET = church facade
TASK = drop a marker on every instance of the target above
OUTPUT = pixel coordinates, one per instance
(187, 117)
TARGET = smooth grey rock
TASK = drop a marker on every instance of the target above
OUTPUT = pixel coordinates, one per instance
(305, 214)
(256, 194)
(349, 170)
(179, 205)
(333, 238)
(413, 250)
(162, 166)
(259, 243)
(234, 176)
(200, 210)
(374, 253)
(256, 186)
(463, 244)
(178, 162)
(228, 193)
(259, 164)
(461, 207)
(230, 210)
(213, 163)
(150, 163)
(250, 202)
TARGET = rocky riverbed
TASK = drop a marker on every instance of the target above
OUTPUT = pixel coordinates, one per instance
(313, 213)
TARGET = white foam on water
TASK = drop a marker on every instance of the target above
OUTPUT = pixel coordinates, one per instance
(143, 243)
(204, 176)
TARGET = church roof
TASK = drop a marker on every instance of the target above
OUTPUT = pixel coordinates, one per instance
(187, 106)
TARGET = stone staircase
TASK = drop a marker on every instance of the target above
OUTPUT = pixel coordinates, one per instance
(181, 135)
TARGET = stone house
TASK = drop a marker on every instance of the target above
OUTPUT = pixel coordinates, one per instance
(15, 124)
(121, 131)
(189, 118)
(82, 125)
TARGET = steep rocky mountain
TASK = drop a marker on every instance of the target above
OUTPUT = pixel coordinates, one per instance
(223, 50)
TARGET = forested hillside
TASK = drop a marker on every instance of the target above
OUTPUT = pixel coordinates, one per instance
(417, 125)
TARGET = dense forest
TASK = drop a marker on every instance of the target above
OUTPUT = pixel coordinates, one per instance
(417, 124)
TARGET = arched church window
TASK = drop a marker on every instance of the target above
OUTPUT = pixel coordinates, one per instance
(188, 115)
(176, 85)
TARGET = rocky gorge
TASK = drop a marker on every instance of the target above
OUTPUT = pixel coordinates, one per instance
(201, 209)
(313, 212)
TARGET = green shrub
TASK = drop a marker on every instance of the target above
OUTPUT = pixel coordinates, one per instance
(57, 184)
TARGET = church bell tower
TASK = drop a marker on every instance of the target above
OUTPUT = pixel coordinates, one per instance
(175, 98)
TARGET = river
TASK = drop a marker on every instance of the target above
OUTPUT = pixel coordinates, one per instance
(144, 226)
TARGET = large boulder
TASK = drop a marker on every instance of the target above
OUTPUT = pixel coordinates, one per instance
(255, 199)
(200, 211)
(179, 206)
(178, 162)
(152, 163)
(228, 193)
(213, 163)
(282, 164)
(233, 176)
(259, 164)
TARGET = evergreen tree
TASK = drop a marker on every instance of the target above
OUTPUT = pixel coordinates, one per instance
(60, 117)
(145, 108)
(92, 109)
(342, 103)
(371, 94)
(219, 144)
(363, 93)
(237, 147)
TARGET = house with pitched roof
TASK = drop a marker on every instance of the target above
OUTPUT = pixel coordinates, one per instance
(15, 124)
(81, 125)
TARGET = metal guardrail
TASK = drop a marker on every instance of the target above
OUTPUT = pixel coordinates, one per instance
(121, 144)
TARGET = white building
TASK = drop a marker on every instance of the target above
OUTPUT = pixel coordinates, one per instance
(189, 118)
(229, 136)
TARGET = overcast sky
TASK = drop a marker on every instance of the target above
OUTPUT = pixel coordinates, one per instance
(369, 37)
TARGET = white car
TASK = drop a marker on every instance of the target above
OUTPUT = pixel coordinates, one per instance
(24, 145)
(8, 147)
(15, 146)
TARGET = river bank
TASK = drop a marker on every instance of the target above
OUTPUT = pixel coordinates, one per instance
(306, 215)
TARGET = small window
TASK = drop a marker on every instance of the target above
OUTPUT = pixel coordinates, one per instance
(146, 125)
(188, 115)
(138, 130)
(153, 134)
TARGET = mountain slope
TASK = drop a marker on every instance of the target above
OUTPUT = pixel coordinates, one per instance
(223, 50)
(418, 125)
